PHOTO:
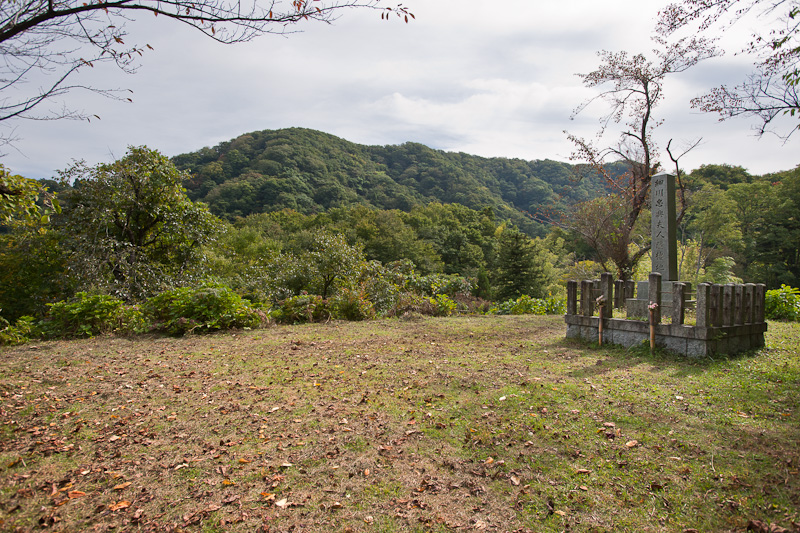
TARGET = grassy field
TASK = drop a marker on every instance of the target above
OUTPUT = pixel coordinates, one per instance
(492, 423)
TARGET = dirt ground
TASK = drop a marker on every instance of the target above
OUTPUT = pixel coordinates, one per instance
(470, 423)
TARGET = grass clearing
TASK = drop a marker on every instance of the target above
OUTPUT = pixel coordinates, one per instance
(490, 423)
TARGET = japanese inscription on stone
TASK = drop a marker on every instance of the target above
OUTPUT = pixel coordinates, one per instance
(664, 249)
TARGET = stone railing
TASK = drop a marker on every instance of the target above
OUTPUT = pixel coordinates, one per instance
(730, 318)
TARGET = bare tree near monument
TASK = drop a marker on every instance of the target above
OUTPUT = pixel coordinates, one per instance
(632, 86)
(46, 44)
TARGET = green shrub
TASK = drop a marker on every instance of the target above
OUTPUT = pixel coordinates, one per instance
(783, 304)
(471, 305)
(555, 306)
(381, 286)
(302, 308)
(410, 303)
(443, 305)
(87, 315)
(525, 305)
(352, 304)
(20, 333)
(208, 307)
(434, 284)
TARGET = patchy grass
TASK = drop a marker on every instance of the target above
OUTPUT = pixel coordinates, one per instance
(490, 423)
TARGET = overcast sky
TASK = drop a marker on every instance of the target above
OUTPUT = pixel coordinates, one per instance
(485, 78)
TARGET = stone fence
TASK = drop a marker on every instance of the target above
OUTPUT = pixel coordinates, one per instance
(730, 318)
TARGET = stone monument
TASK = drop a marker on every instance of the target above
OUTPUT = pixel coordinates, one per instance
(664, 243)
(663, 247)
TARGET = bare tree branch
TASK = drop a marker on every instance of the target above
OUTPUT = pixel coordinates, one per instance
(634, 88)
(771, 91)
(55, 39)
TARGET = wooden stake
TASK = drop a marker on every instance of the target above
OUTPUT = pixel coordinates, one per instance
(600, 327)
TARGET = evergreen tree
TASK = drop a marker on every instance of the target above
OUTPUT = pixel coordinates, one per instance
(522, 266)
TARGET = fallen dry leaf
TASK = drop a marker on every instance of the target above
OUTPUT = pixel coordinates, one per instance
(122, 486)
(760, 527)
(632, 443)
(124, 504)
(282, 503)
(75, 494)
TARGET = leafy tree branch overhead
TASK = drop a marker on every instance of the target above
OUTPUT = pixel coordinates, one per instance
(771, 90)
(45, 43)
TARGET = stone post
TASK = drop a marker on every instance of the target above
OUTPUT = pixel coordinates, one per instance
(738, 304)
(747, 303)
(714, 306)
(630, 287)
(587, 301)
(678, 302)
(607, 289)
(619, 294)
(654, 295)
(758, 302)
(703, 299)
(728, 300)
(572, 297)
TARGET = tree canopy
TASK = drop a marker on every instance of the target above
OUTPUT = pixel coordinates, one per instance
(130, 226)
(311, 172)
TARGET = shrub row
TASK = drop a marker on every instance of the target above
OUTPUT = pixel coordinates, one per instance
(212, 307)
(525, 305)
(208, 307)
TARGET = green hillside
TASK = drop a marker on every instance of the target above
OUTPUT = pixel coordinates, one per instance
(312, 172)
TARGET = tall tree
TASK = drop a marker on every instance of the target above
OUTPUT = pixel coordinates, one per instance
(775, 255)
(55, 39)
(771, 90)
(713, 226)
(129, 226)
(632, 86)
(524, 267)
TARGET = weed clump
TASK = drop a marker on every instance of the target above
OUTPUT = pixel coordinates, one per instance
(209, 307)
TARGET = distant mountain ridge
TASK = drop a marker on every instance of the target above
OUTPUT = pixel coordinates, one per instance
(311, 171)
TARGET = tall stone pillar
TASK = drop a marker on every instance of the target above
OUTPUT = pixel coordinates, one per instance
(664, 250)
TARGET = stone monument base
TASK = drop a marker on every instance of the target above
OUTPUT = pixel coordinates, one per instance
(684, 340)
(636, 308)
(729, 318)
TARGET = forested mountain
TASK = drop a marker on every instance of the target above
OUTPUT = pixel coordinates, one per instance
(311, 172)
